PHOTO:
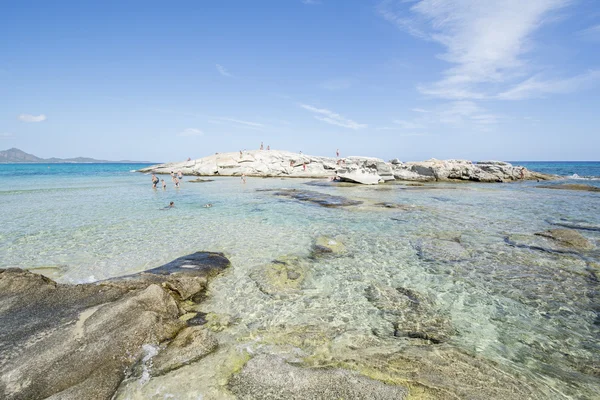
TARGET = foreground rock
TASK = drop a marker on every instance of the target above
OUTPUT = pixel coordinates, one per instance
(571, 186)
(567, 238)
(364, 170)
(269, 377)
(78, 341)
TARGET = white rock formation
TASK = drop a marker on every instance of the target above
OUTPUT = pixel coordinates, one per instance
(365, 170)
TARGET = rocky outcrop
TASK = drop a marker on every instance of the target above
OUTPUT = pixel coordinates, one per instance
(464, 170)
(364, 170)
(79, 341)
(270, 377)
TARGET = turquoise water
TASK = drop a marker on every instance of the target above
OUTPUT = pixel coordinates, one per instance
(534, 312)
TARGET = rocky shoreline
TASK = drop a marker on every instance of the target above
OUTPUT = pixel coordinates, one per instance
(110, 339)
(363, 170)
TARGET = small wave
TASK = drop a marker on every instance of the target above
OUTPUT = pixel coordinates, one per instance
(584, 178)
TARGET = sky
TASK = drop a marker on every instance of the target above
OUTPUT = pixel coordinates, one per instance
(408, 79)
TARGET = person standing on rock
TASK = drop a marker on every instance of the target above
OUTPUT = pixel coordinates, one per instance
(304, 166)
(268, 147)
(261, 146)
(337, 153)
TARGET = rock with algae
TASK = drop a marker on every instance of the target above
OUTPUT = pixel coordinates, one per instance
(282, 277)
(324, 246)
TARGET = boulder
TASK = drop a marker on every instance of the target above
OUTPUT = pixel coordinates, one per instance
(79, 341)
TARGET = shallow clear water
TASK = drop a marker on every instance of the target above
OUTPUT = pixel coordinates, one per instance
(535, 312)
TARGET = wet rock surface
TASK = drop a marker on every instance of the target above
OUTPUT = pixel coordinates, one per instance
(191, 344)
(269, 377)
(412, 314)
(77, 341)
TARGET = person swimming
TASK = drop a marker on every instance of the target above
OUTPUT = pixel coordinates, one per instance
(171, 205)
(207, 205)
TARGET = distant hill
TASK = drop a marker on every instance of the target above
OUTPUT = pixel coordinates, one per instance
(19, 156)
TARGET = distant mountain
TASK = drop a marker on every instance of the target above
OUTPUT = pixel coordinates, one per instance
(19, 156)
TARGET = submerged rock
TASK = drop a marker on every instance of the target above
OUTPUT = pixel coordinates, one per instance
(412, 314)
(574, 224)
(78, 341)
(282, 277)
(324, 245)
(571, 186)
(322, 199)
(441, 250)
(567, 238)
(269, 377)
(553, 241)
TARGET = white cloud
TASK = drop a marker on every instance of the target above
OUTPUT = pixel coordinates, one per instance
(485, 40)
(5, 135)
(460, 112)
(591, 33)
(536, 87)
(419, 110)
(311, 2)
(223, 71)
(242, 122)
(32, 118)
(190, 132)
(332, 118)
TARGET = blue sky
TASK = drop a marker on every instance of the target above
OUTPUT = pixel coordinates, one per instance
(412, 79)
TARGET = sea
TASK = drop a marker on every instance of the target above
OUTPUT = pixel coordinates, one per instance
(532, 310)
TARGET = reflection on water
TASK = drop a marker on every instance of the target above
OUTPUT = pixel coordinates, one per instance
(533, 312)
